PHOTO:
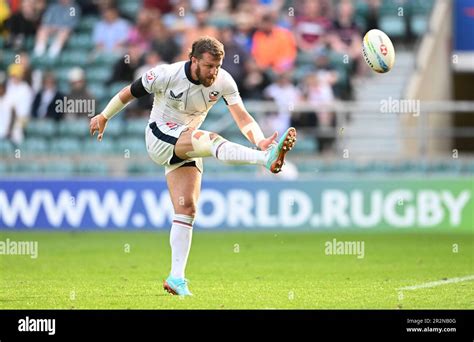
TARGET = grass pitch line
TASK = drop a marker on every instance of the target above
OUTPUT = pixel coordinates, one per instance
(438, 283)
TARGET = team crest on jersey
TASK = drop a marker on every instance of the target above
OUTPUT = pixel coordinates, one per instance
(213, 95)
(176, 96)
(150, 75)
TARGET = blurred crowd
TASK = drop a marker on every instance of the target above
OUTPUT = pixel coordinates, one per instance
(277, 50)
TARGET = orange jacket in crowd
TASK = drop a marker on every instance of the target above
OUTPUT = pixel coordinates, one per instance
(276, 50)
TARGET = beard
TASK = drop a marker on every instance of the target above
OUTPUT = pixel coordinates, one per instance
(205, 81)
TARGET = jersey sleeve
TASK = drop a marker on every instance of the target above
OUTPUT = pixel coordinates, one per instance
(230, 93)
(154, 78)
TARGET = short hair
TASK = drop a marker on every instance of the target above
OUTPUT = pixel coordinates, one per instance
(207, 44)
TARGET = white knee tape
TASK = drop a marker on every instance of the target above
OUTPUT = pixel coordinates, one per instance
(202, 144)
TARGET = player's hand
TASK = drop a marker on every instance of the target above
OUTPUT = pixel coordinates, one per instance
(265, 143)
(98, 124)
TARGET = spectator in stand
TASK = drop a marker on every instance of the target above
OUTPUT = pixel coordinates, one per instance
(318, 92)
(345, 37)
(45, 104)
(311, 27)
(125, 68)
(179, 20)
(272, 46)
(221, 11)
(140, 35)
(254, 82)
(286, 95)
(95, 7)
(201, 29)
(151, 60)
(5, 109)
(244, 31)
(235, 56)
(31, 76)
(4, 15)
(373, 14)
(141, 106)
(163, 42)
(163, 6)
(111, 33)
(23, 25)
(60, 19)
(20, 95)
(78, 91)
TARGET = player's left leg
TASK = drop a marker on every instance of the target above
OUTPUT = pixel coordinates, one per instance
(199, 143)
(184, 184)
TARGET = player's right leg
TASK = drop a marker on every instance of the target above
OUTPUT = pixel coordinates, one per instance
(199, 143)
(184, 184)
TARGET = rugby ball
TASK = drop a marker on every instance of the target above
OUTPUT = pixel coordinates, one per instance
(378, 51)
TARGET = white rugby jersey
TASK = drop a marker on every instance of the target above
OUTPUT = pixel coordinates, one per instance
(182, 100)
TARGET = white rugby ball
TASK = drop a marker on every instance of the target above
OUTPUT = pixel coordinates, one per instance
(378, 51)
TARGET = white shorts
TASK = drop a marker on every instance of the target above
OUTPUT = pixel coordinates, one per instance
(160, 141)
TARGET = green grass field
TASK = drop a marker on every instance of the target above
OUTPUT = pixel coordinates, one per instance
(237, 270)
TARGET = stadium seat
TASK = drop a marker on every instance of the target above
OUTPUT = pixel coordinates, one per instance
(130, 8)
(115, 127)
(106, 59)
(131, 147)
(62, 73)
(393, 26)
(468, 167)
(4, 169)
(80, 41)
(104, 147)
(29, 168)
(301, 72)
(421, 6)
(90, 168)
(64, 168)
(310, 167)
(99, 90)
(64, 87)
(66, 146)
(220, 22)
(87, 23)
(6, 148)
(74, 128)
(304, 59)
(305, 145)
(115, 88)
(41, 128)
(419, 24)
(149, 168)
(7, 57)
(98, 74)
(35, 145)
(74, 57)
(135, 127)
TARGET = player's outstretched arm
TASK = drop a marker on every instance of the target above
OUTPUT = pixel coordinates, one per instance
(249, 127)
(115, 105)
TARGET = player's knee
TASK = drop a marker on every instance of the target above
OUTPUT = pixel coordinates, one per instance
(188, 209)
(197, 134)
